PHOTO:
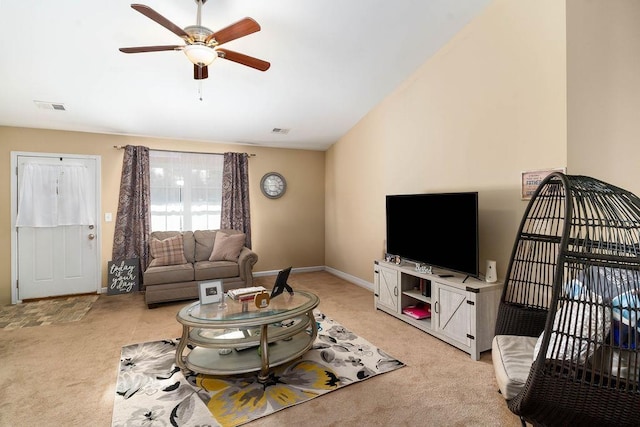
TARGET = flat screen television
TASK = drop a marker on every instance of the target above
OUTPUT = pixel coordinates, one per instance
(437, 229)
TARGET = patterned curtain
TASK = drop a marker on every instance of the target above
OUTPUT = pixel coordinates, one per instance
(133, 220)
(235, 194)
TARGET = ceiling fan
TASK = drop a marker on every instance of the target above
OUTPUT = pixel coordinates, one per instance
(202, 44)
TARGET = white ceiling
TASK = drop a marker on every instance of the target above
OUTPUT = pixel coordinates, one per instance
(331, 62)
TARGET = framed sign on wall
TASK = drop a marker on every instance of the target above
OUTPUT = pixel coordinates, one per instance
(530, 180)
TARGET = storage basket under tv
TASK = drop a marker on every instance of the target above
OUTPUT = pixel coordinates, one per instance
(575, 274)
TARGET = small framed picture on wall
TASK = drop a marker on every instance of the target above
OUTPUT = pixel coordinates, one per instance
(530, 180)
(210, 291)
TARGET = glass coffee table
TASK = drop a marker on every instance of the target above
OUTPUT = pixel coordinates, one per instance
(237, 337)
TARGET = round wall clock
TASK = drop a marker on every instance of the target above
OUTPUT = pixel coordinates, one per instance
(273, 185)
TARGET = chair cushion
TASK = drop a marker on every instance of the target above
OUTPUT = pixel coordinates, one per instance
(577, 325)
(618, 362)
(512, 360)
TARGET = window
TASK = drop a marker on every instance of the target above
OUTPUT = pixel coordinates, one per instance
(186, 190)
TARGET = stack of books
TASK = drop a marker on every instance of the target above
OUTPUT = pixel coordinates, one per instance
(244, 294)
(418, 311)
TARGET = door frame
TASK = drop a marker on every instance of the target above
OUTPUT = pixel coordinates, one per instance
(14, 214)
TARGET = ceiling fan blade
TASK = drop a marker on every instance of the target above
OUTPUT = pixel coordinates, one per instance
(242, 28)
(155, 16)
(200, 73)
(140, 49)
(243, 59)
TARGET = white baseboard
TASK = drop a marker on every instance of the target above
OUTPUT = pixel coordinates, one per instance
(293, 270)
(348, 277)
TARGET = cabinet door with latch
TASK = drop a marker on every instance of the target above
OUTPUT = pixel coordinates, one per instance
(386, 283)
(452, 314)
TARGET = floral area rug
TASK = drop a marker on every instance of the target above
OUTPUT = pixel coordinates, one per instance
(152, 391)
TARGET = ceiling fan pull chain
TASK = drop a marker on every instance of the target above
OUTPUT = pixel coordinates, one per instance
(200, 89)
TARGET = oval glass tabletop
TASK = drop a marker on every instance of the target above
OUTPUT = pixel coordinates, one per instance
(239, 314)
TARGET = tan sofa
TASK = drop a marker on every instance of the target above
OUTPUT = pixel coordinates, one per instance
(179, 281)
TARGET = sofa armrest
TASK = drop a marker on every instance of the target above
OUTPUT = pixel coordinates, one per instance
(246, 261)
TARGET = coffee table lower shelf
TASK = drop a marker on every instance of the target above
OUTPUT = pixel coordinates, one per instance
(210, 361)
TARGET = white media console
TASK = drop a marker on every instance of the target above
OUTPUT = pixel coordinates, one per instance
(463, 312)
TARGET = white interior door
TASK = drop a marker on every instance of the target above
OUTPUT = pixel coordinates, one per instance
(61, 260)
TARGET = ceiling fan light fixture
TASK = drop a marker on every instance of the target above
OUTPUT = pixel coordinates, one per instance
(200, 54)
(201, 42)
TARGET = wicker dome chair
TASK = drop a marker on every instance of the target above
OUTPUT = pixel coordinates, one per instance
(571, 300)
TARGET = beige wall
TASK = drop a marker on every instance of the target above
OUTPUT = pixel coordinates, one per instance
(603, 63)
(489, 105)
(526, 85)
(286, 231)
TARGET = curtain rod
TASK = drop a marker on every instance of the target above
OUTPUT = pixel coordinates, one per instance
(121, 147)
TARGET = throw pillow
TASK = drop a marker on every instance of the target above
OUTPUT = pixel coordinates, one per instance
(578, 327)
(169, 251)
(227, 247)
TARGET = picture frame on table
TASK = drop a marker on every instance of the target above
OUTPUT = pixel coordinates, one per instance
(211, 291)
(281, 283)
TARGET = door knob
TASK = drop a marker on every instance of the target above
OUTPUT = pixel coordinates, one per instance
(92, 236)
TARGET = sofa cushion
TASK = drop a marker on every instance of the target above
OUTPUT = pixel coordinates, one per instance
(203, 244)
(187, 241)
(227, 247)
(512, 362)
(208, 270)
(168, 274)
(169, 251)
(189, 246)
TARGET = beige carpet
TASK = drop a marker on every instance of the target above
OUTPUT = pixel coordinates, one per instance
(65, 374)
(45, 312)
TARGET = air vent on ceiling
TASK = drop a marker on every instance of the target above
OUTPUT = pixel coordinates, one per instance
(50, 105)
(281, 131)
